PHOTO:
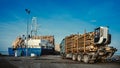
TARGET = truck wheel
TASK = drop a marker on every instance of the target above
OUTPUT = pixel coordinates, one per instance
(79, 58)
(73, 57)
(86, 58)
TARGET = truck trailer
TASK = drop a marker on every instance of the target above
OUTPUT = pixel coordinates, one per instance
(89, 47)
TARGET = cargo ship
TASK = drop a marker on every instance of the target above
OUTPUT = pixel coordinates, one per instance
(36, 46)
(32, 44)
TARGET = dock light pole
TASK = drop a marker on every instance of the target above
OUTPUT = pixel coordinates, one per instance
(28, 13)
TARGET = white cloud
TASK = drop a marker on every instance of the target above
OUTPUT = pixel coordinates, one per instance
(93, 21)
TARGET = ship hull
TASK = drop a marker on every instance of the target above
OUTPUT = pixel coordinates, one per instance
(29, 51)
(24, 51)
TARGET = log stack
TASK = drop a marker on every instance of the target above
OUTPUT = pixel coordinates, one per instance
(18, 42)
(75, 43)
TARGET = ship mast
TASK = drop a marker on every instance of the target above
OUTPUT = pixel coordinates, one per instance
(28, 14)
(34, 26)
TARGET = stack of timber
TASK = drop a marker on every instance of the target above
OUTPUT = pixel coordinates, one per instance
(18, 42)
(74, 43)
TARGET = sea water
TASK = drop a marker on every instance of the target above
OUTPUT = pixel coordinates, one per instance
(4, 52)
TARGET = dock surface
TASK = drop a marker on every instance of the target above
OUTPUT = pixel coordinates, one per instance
(50, 61)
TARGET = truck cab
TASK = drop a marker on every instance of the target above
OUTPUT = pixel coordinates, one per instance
(101, 35)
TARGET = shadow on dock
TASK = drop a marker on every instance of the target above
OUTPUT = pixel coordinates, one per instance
(4, 63)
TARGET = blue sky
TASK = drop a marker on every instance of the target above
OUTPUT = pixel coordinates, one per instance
(59, 18)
